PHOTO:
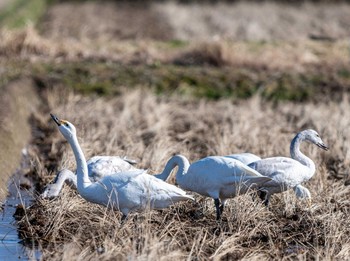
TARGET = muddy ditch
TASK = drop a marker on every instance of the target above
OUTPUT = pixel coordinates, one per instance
(23, 140)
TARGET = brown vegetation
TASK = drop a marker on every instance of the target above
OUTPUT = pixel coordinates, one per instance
(151, 129)
(129, 53)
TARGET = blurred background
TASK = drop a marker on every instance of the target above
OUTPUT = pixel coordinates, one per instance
(277, 49)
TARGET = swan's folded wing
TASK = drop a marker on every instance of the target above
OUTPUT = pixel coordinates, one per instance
(282, 170)
(100, 166)
(158, 188)
(248, 171)
(271, 166)
(130, 161)
(245, 158)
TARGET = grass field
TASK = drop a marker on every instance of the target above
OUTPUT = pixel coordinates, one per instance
(194, 85)
(134, 125)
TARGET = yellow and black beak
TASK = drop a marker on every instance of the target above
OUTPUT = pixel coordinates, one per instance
(56, 119)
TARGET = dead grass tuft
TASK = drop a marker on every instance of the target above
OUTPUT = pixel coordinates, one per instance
(135, 125)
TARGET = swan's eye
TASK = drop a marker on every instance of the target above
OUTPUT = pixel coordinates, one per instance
(66, 124)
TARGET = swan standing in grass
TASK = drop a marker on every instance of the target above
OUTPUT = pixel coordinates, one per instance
(126, 191)
(217, 177)
(300, 191)
(287, 173)
(98, 167)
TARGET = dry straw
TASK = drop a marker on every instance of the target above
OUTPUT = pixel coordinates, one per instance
(151, 129)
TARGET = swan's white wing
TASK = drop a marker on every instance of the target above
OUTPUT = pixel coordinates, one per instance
(125, 158)
(100, 166)
(161, 190)
(284, 171)
(135, 190)
(245, 158)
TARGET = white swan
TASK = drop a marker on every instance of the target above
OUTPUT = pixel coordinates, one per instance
(98, 167)
(300, 191)
(217, 177)
(126, 191)
(286, 172)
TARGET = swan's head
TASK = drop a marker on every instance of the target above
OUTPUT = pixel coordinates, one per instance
(302, 192)
(313, 137)
(66, 128)
(51, 191)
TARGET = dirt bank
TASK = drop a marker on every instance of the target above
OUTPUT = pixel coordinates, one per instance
(17, 101)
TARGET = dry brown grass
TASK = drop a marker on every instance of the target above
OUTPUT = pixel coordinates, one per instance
(222, 34)
(151, 129)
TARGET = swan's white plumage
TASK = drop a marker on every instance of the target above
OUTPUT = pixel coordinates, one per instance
(245, 158)
(287, 173)
(217, 177)
(98, 167)
(302, 193)
(220, 177)
(133, 191)
(126, 191)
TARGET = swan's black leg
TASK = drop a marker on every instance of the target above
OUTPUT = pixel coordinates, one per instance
(264, 197)
(123, 218)
(218, 208)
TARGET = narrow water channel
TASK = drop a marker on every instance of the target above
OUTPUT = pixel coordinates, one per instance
(11, 247)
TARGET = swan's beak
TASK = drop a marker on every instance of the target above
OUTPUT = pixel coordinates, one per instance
(322, 146)
(56, 119)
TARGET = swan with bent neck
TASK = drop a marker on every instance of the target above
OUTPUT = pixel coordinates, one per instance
(126, 191)
(217, 177)
(289, 173)
(98, 167)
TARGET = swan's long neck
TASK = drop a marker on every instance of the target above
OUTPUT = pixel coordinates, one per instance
(296, 154)
(181, 162)
(67, 176)
(83, 180)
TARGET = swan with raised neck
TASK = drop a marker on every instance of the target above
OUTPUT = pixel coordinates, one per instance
(98, 167)
(288, 173)
(127, 191)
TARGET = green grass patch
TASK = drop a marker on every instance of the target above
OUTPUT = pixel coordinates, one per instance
(108, 79)
(19, 13)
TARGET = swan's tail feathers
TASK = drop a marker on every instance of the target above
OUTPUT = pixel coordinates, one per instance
(189, 197)
(248, 180)
(259, 180)
(183, 197)
(130, 161)
(182, 194)
(249, 171)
